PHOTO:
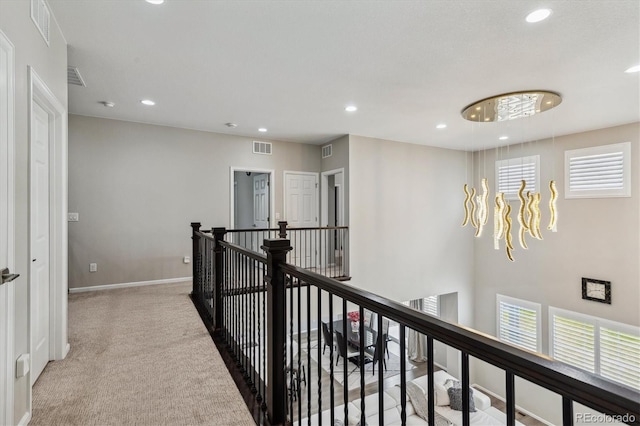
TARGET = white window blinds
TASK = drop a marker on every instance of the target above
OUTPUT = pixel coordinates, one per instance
(601, 171)
(603, 347)
(430, 306)
(519, 322)
(511, 172)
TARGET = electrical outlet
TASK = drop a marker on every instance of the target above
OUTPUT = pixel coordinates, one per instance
(73, 217)
(186, 259)
(93, 267)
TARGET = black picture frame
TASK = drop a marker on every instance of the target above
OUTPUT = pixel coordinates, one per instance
(602, 295)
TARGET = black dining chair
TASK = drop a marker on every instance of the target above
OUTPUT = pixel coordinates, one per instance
(343, 348)
(328, 339)
(378, 352)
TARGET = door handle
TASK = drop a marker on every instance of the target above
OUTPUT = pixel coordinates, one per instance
(7, 277)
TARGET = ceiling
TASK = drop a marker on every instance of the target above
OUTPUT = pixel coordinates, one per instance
(293, 66)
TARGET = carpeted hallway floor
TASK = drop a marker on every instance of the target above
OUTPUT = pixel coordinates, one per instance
(139, 356)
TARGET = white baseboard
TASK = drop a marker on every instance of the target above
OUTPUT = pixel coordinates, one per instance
(25, 419)
(522, 410)
(125, 285)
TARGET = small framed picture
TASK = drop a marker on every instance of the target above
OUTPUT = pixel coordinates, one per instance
(596, 290)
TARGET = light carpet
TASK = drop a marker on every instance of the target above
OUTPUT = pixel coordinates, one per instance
(138, 356)
(353, 370)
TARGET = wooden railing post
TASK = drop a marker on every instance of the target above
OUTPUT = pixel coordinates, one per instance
(276, 311)
(283, 229)
(195, 258)
(218, 235)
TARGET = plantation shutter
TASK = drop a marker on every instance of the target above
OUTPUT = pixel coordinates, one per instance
(518, 324)
(510, 173)
(620, 357)
(430, 306)
(601, 171)
(574, 342)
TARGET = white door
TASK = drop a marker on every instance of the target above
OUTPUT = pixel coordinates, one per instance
(7, 298)
(301, 211)
(39, 274)
(261, 201)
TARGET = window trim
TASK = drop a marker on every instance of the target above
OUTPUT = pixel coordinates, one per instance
(625, 191)
(525, 304)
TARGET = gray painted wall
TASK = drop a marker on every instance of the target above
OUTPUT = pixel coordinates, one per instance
(137, 187)
(50, 63)
(405, 215)
(596, 238)
(340, 159)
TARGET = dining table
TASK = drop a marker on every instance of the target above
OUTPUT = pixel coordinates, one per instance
(353, 336)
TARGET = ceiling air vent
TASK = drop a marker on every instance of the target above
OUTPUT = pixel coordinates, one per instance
(41, 17)
(74, 77)
(262, 147)
(327, 150)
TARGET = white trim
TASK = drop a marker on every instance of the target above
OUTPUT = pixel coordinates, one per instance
(518, 408)
(284, 192)
(126, 285)
(58, 339)
(25, 419)
(7, 293)
(272, 195)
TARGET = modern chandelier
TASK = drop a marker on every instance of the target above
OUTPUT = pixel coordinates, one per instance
(510, 106)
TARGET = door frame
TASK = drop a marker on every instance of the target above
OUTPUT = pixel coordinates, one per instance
(58, 241)
(272, 203)
(284, 192)
(7, 294)
(324, 196)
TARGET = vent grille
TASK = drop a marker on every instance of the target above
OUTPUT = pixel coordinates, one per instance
(74, 77)
(327, 151)
(41, 17)
(262, 148)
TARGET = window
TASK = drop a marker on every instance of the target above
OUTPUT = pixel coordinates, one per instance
(430, 306)
(519, 322)
(603, 347)
(511, 172)
(601, 171)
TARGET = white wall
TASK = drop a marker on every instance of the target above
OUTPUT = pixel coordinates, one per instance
(405, 215)
(138, 186)
(596, 238)
(50, 63)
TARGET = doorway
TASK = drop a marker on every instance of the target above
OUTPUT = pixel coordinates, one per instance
(252, 203)
(48, 285)
(332, 196)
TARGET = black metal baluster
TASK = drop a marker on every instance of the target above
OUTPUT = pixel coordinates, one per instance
(300, 366)
(289, 351)
(431, 391)
(345, 360)
(511, 398)
(381, 360)
(567, 411)
(465, 389)
(309, 354)
(319, 348)
(264, 342)
(331, 347)
(403, 379)
(258, 350)
(362, 364)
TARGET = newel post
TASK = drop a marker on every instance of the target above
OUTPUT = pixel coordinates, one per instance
(195, 259)
(277, 250)
(283, 229)
(218, 235)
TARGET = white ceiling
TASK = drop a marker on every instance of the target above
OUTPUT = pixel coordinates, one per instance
(292, 66)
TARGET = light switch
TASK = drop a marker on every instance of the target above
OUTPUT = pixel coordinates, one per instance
(74, 217)
(93, 267)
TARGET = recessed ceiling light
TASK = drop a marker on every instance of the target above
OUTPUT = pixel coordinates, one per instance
(107, 104)
(538, 15)
(262, 129)
(633, 69)
(351, 108)
(148, 102)
(155, 1)
(441, 126)
(503, 138)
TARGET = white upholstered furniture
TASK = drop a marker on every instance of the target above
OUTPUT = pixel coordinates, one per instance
(485, 414)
